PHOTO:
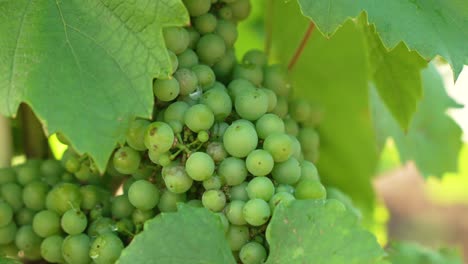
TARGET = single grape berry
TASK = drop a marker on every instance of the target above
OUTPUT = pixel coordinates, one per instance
(126, 160)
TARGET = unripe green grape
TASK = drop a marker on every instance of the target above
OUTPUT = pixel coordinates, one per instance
(259, 162)
(176, 126)
(309, 139)
(51, 249)
(219, 102)
(275, 78)
(26, 239)
(6, 213)
(75, 249)
(287, 172)
(213, 183)
(300, 110)
(225, 13)
(164, 159)
(216, 151)
(46, 223)
(285, 188)
(211, 49)
(233, 212)
(239, 192)
(106, 249)
(281, 197)
(194, 36)
(187, 79)
(269, 124)
(281, 108)
(309, 171)
(174, 61)
(197, 7)
(8, 233)
(126, 160)
(169, 200)
(100, 226)
(205, 76)
(253, 253)
(74, 222)
(176, 112)
(71, 161)
(240, 138)
(34, 195)
(291, 126)
(63, 197)
(255, 56)
(296, 148)
(199, 166)
(205, 23)
(121, 207)
(228, 31)
(176, 179)
(239, 86)
(240, 9)
(7, 175)
(143, 195)
(251, 104)
(166, 90)
(237, 236)
(159, 137)
(90, 196)
(214, 200)
(203, 136)
(260, 187)
(272, 99)
(125, 227)
(144, 172)
(24, 216)
(250, 72)
(223, 68)
(12, 193)
(218, 130)
(176, 39)
(51, 170)
(85, 174)
(199, 117)
(256, 212)
(310, 189)
(188, 59)
(279, 145)
(28, 172)
(233, 171)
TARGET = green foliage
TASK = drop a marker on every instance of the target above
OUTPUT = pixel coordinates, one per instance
(191, 235)
(9, 261)
(324, 232)
(85, 67)
(411, 253)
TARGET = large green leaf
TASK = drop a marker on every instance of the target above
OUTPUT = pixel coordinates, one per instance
(84, 66)
(433, 139)
(411, 253)
(430, 27)
(334, 73)
(190, 235)
(319, 232)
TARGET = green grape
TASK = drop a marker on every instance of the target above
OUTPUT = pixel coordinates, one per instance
(166, 90)
(174, 61)
(250, 72)
(125, 226)
(239, 192)
(139, 217)
(24, 216)
(259, 162)
(8, 233)
(255, 56)
(253, 253)
(211, 48)
(90, 196)
(164, 159)
(136, 133)
(199, 166)
(225, 13)
(310, 189)
(176, 179)
(159, 137)
(281, 108)
(223, 67)
(275, 78)
(144, 172)
(34, 195)
(176, 39)
(28, 172)
(280, 197)
(279, 145)
(169, 200)
(240, 138)
(272, 99)
(213, 183)
(63, 197)
(75, 249)
(71, 161)
(195, 203)
(291, 127)
(228, 31)
(188, 59)
(46, 223)
(51, 249)
(269, 124)
(233, 171)
(199, 117)
(51, 170)
(106, 249)
(197, 7)
(126, 160)
(205, 75)
(84, 174)
(285, 188)
(256, 211)
(205, 23)
(296, 148)
(176, 112)
(12, 193)
(287, 172)
(309, 171)
(74, 222)
(6, 213)
(237, 236)
(251, 104)
(240, 9)
(233, 212)
(203, 136)
(176, 126)
(26, 239)
(143, 195)
(194, 36)
(215, 200)
(239, 86)
(300, 110)
(7, 175)
(188, 81)
(260, 187)
(100, 226)
(224, 221)
(219, 102)
(308, 138)
(218, 130)
(216, 151)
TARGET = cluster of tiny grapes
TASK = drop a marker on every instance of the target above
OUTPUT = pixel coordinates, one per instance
(226, 135)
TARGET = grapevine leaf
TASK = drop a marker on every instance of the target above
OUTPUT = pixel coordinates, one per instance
(319, 232)
(433, 139)
(411, 253)
(336, 76)
(397, 76)
(85, 67)
(191, 235)
(429, 27)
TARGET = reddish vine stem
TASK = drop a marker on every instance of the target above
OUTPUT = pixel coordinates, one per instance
(301, 46)
(268, 27)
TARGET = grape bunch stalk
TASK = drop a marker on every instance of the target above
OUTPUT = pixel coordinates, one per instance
(226, 135)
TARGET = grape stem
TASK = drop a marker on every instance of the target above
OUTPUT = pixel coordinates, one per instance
(301, 46)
